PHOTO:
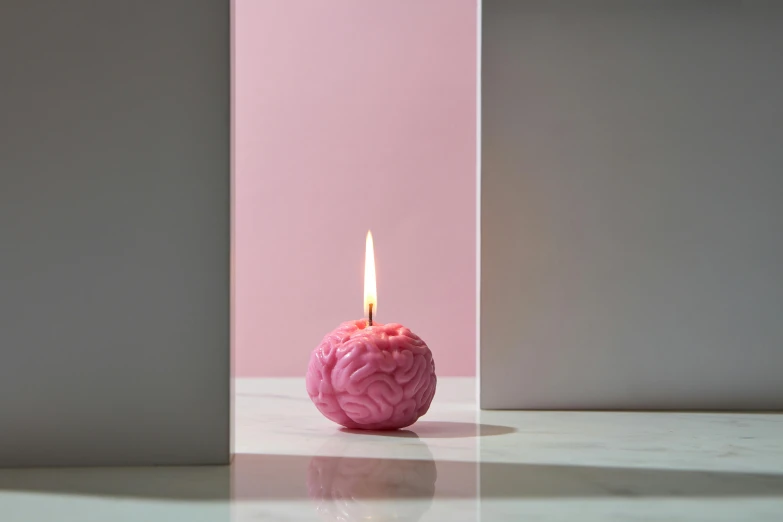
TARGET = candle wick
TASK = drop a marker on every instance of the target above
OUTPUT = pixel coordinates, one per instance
(369, 323)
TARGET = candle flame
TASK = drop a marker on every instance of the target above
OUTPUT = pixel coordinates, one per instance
(370, 295)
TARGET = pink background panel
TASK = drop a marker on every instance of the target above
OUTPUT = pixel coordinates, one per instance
(353, 115)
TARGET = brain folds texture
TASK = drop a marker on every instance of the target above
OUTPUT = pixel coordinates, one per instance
(380, 377)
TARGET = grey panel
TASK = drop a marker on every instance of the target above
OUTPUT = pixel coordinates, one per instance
(632, 205)
(114, 232)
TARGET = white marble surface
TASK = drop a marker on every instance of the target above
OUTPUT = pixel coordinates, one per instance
(455, 464)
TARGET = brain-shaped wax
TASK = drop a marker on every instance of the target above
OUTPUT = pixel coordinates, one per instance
(379, 377)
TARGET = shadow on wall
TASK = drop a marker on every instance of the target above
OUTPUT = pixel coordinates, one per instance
(335, 475)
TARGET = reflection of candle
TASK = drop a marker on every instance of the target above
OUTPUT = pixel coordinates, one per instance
(367, 375)
(347, 485)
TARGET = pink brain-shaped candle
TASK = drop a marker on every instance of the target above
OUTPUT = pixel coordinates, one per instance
(380, 377)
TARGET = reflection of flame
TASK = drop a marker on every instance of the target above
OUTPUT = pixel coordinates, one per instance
(360, 488)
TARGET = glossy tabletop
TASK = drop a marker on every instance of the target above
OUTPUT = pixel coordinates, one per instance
(455, 464)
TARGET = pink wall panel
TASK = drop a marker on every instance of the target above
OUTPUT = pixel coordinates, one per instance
(353, 115)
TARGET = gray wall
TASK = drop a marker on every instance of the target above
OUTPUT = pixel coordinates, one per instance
(632, 204)
(114, 232)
